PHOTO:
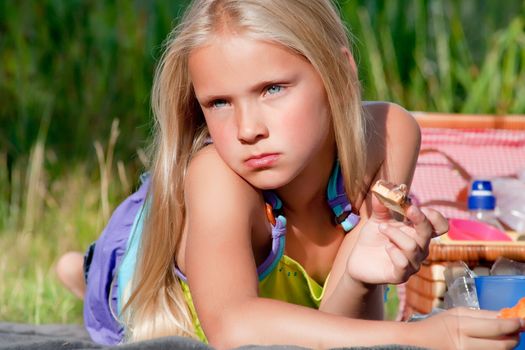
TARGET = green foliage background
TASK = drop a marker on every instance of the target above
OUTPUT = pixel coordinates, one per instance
(70, 68)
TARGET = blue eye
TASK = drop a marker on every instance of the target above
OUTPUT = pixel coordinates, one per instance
(219, 103)
(274, 89)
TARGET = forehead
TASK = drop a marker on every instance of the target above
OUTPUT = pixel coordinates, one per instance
(239, 59)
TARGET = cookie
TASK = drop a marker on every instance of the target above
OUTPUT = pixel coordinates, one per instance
(394, 197)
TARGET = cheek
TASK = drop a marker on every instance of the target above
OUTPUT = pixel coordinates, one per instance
(223, 138)
(218, 130)
(310, 124)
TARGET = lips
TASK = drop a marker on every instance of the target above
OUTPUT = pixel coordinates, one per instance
(264, 160)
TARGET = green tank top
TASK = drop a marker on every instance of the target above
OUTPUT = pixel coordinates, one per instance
(280, 277)
(288, 282)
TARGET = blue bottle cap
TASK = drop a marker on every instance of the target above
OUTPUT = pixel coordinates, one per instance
(481, 185)
(481, 196)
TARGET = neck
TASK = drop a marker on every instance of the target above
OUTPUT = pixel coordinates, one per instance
(307, 192)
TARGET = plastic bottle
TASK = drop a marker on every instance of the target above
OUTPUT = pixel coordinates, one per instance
(482, 204)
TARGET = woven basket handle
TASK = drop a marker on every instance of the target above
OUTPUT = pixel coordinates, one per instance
(460, 202)
(454, 163)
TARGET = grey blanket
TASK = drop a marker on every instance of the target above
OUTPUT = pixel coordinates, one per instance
(15, 336)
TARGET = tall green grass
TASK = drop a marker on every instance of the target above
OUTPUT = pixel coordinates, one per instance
(446, 56)
(84, 63)
(43, 218)
(71, 68)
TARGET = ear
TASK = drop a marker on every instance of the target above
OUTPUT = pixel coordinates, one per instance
(350, 58)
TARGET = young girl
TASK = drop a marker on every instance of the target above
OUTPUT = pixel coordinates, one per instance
(256, 225)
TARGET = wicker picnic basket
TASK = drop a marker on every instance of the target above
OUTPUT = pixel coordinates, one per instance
(449, 150)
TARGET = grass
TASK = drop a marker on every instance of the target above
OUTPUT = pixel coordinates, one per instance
(81, 64)
(32, 294)
(434, 55)
(46, 218)
(71, 68)
(30, 291)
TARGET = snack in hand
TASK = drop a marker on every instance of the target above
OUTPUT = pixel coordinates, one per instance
(394, 197)
(517, 311)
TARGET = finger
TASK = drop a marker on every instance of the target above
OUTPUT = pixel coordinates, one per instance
(479, 343)
(408, 245)
(464, 311)
(400, 263)
(418, 218)
(379, 211)
(406, 231)
(437, 220)
(485, 332)
(479, 327)
(421, 224)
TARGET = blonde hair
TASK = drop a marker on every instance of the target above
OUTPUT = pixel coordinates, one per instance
(310, 28)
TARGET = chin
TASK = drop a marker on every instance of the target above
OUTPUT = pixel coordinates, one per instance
(267, 180)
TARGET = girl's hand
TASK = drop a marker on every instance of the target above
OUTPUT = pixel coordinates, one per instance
(463, 328)
(389, 251)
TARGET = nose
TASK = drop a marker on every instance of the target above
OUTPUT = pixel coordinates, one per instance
(251, 125)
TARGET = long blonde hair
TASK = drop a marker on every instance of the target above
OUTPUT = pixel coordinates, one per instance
(310, 28)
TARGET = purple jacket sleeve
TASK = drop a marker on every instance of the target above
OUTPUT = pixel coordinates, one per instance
(100, 300)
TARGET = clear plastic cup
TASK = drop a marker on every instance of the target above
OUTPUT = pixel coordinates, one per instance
(504, 266)
(462, 292)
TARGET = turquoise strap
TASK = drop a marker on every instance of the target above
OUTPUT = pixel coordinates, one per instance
(127, 266)
(338, 200)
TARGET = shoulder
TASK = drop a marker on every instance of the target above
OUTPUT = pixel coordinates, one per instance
(391, 121)
(208, 175)
(217, 199)
(213, 190)
(393, 139)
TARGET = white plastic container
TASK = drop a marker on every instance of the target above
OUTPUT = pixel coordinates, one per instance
(511, 202)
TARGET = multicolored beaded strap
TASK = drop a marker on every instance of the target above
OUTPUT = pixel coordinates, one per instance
(274, 208)
(337, 200)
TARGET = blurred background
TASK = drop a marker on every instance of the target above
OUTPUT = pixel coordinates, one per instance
(75, 80)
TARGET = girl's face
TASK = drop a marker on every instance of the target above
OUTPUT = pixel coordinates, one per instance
(265, 107)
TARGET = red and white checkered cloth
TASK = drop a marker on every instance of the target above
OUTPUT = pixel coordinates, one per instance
(483, 153)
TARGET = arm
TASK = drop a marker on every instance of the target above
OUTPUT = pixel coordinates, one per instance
(399, 149)
(221, 211)
(393, 147)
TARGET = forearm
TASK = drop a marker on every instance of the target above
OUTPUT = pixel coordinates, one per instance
(354, 299)
(269, 322)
